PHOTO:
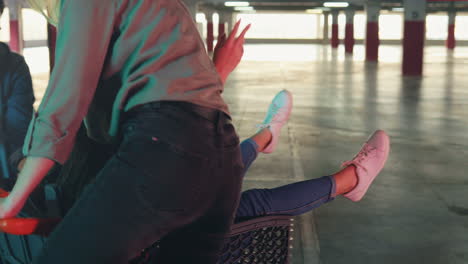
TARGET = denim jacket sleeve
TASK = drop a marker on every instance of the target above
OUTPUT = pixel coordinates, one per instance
(84, 33)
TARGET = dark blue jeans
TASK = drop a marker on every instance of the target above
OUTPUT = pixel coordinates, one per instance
(292, 199)
(176, 177)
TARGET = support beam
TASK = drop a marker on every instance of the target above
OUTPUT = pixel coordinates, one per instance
(349, 30)
(372, 30)
(230, 21)
(210, 30)
(16, 26)
(325, 27)
(223, 16)
(51, 43)
(335, 41)
(451, 41)
(414, 36)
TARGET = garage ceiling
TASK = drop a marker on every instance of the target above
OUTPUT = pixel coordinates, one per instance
(302, 5)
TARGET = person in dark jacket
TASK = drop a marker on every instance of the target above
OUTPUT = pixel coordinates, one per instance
(17, 98)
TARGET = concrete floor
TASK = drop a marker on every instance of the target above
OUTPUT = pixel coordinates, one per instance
(417, 209)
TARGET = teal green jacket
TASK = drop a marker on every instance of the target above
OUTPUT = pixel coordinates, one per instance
(113, 55)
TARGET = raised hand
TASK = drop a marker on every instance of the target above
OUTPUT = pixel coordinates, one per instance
(229, 51)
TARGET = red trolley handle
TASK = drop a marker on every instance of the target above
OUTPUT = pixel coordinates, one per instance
(27, 226)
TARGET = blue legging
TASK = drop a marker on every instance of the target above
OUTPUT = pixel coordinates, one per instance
(292, 199)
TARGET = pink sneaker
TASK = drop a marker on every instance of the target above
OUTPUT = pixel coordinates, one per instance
(277, 116)
(369, 162)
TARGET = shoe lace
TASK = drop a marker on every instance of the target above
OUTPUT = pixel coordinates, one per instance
(277, 114)
(366, 152)
(262, 126)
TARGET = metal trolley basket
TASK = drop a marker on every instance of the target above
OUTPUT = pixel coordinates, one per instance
(262, 240)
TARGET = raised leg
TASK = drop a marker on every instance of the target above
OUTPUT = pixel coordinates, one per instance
(297, 198)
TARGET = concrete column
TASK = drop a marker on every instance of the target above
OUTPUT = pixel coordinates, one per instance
(192, 6)
(51, 43)
(349, 30)
(335, 41)
(325, 27)
(210, 31)
(16, 27)
(222, 23)
(414, 36)
(372, 30)
(451, 30)
(230, 21)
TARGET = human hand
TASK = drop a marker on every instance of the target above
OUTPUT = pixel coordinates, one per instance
(229, 51)
(5, 206)
(6, 209)
(32, 173)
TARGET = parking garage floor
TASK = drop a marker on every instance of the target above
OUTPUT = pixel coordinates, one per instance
(417, 209)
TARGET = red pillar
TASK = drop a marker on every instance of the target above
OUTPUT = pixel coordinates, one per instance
(349, 31)
(372, 41)
(16, 34)
(223, 22)
(210, 31)
(210, 37)
(372, 31)
(229, 19)
(451, 31)
(221, 29)
(335, 41)
(51, 43)
(414, 36)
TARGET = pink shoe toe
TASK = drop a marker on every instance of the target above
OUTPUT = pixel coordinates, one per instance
(369, 161)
